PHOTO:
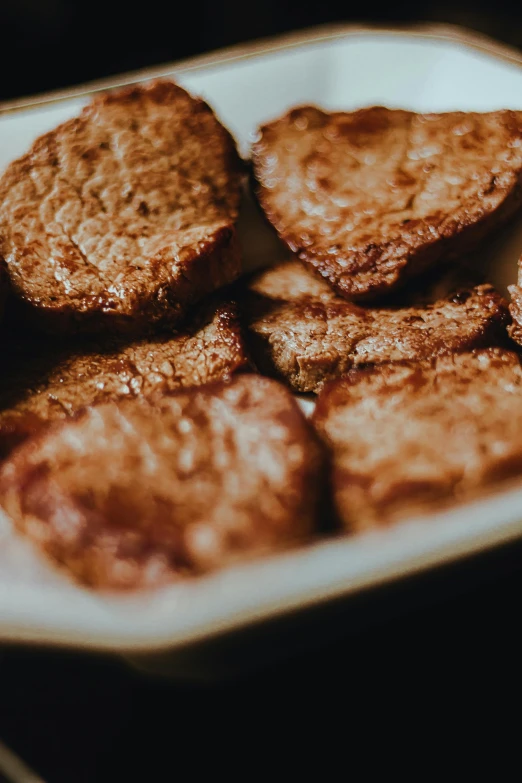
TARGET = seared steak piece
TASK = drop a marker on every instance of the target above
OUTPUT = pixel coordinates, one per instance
(300, 331)
(515, 307)
(121, 218)
(136, 494)
(42, 381)
(372, 197)
(290, 282)
(406, 439)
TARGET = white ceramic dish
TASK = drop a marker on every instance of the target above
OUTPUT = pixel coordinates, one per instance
(422, 69)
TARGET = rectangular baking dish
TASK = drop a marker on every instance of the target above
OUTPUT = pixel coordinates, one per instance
(430, 68)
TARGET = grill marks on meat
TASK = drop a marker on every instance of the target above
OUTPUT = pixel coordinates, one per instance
(372, 197)
(42, 381)
(124, 216)
(136, 494)
(302, 332)
(406, 439)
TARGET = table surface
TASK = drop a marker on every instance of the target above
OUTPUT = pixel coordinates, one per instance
(76, 717)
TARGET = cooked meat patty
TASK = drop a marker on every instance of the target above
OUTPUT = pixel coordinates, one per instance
(42, 381)
(290, 282)
(515, 307)
(371, 197)
(409, 438)
(302, 332)
(122, 217)
(133, 494)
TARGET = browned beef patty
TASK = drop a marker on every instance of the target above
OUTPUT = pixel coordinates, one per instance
(302, 332)
(122, 217)
(136, 494)
(411, 438)
(372, 197)
(43, 380)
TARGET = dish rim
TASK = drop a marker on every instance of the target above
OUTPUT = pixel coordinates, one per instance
(244, 51)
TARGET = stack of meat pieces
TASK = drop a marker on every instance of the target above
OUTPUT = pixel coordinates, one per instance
(420, 396)
(140, 442)
(118, 236)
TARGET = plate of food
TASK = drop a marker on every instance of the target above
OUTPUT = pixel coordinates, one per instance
(259, 347)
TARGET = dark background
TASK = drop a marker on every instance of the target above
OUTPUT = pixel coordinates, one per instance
(45, 44)
(445, 644)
